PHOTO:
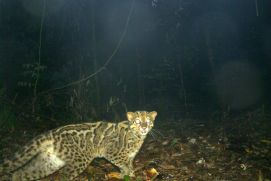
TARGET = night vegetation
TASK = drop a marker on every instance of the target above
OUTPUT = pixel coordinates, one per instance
(205, 67)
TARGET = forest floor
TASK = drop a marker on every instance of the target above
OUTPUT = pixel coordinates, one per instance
(190, 150)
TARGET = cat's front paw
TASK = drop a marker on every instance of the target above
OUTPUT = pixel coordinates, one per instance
(130, 174)
(127, 172)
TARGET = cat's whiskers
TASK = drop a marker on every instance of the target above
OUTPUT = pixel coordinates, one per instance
(157, 133)
(41, 157)
(153, 135)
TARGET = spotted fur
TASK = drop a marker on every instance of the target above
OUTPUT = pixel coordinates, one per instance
(70, 149)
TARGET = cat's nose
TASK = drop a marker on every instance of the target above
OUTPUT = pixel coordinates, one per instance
(144, 125)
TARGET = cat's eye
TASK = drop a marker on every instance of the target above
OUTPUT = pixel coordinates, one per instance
(131, 133)
(137, 121)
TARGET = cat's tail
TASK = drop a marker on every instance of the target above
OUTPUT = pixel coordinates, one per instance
(27, 153)
(19, 159)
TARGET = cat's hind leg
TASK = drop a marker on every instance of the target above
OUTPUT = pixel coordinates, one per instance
(73, 169)
(44, 164)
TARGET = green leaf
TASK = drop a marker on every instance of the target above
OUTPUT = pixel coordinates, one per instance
(126, 178)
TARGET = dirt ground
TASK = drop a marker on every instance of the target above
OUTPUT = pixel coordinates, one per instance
(198, 154)
(188, 150)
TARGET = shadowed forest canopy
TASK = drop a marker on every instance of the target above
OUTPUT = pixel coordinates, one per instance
(178, 57)
(202, 66)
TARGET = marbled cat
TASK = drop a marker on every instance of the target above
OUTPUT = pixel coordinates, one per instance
(68, 150)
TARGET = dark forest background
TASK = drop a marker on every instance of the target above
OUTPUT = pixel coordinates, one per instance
(84, 60)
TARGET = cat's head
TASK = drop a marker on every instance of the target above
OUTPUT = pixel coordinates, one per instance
(141, 121)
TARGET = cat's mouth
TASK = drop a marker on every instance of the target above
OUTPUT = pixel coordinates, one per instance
(144, 131)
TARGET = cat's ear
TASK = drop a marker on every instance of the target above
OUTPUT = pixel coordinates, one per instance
(130, 116)
(153, 114)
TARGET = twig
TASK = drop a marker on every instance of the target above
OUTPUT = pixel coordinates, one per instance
(103, 67)
(256, 7)
(39, 56)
